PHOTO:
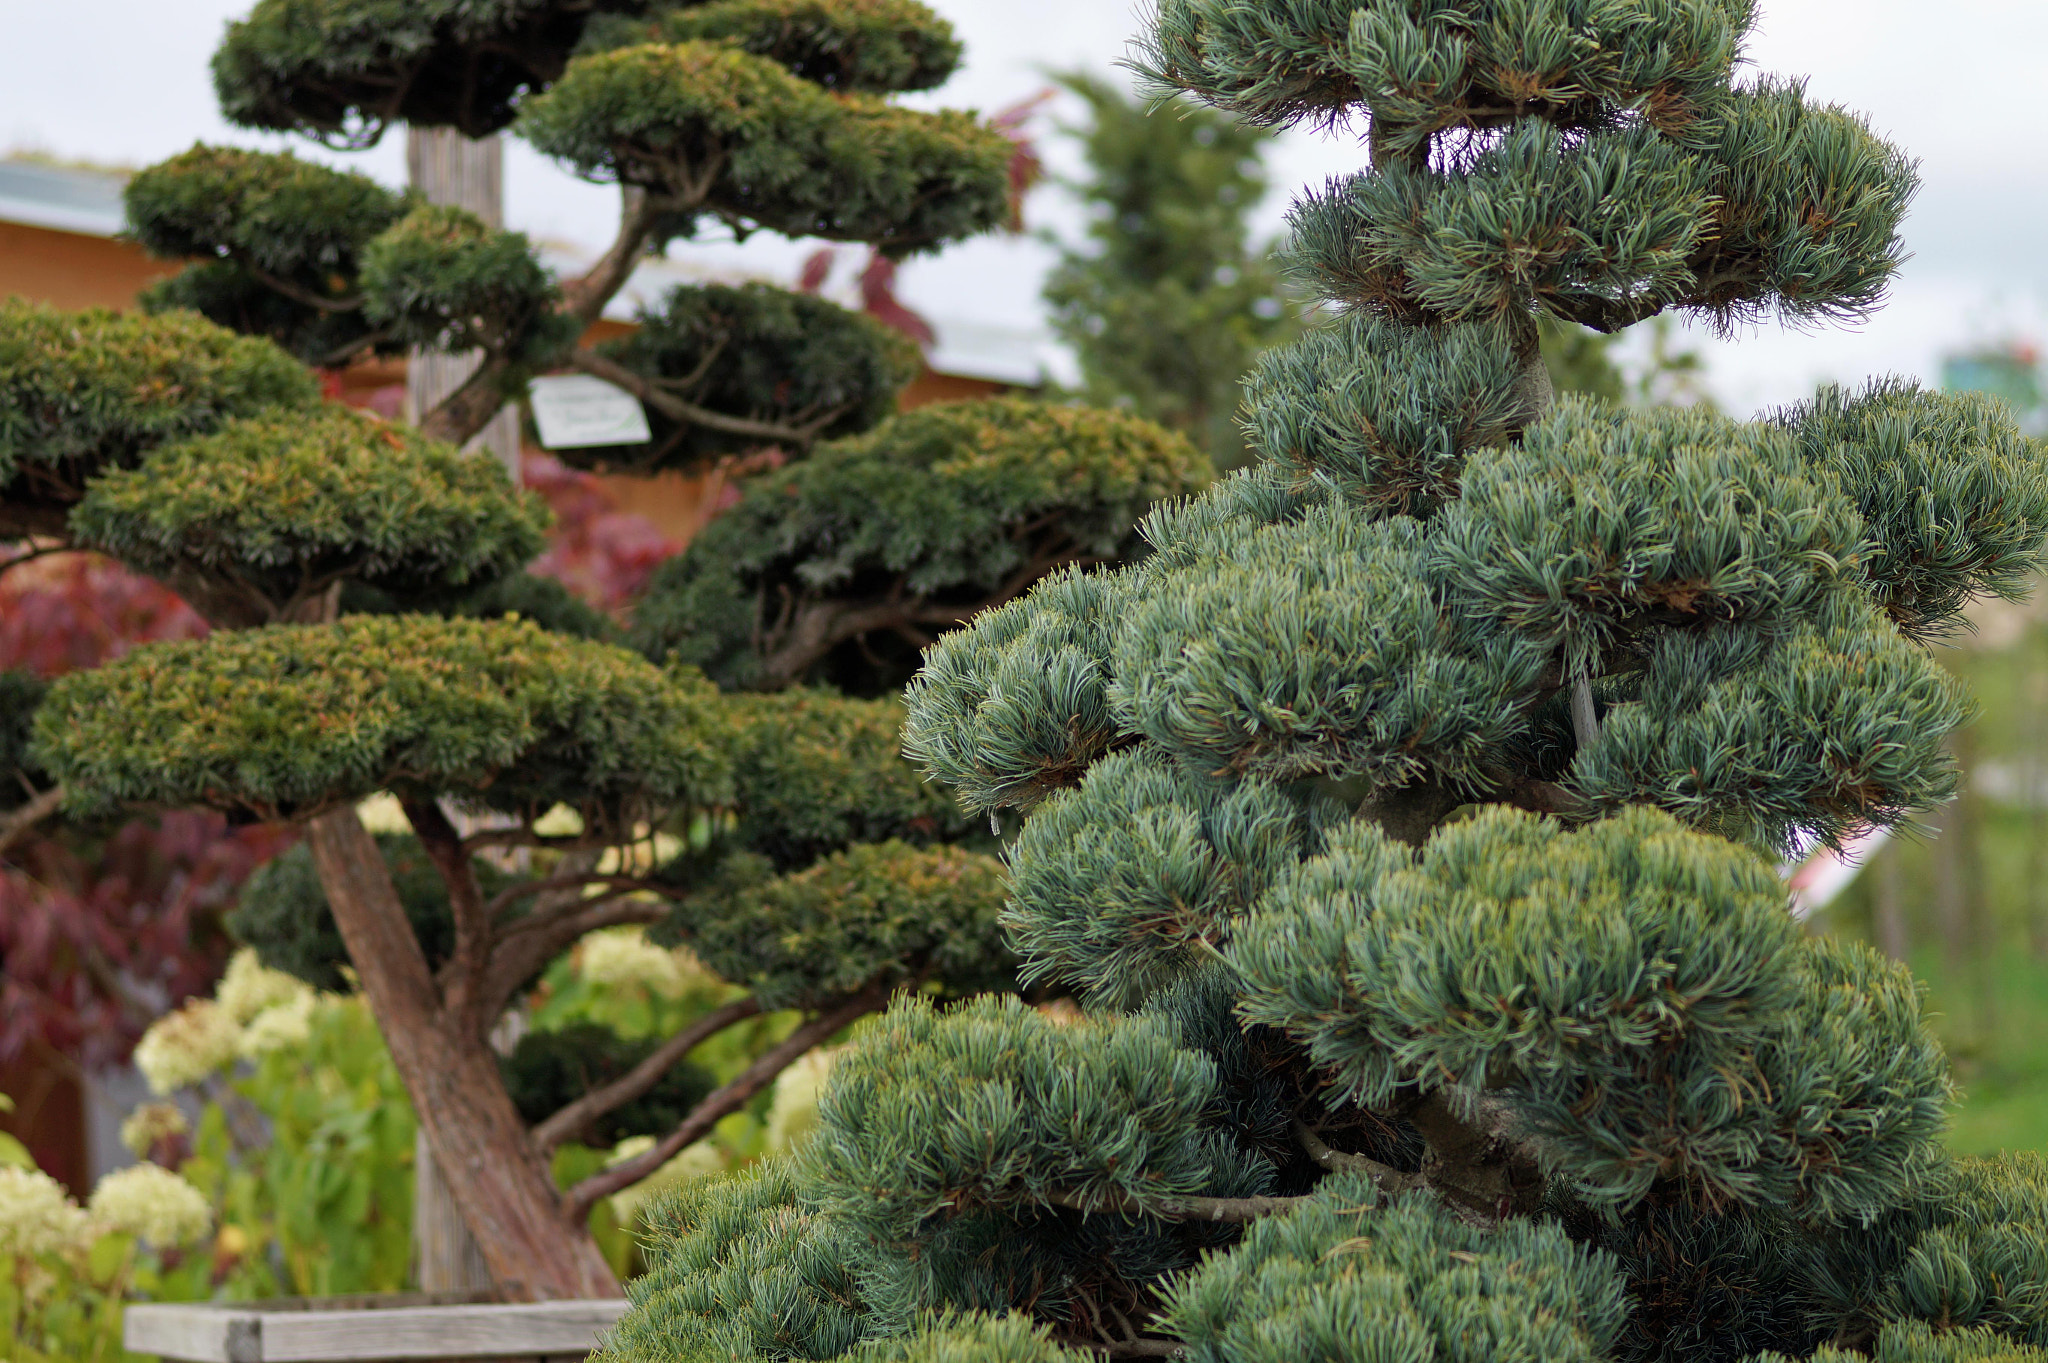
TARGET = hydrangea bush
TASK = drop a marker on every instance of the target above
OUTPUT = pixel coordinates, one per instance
(65, 1270)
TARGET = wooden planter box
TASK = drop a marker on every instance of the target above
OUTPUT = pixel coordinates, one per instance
(371, 1329)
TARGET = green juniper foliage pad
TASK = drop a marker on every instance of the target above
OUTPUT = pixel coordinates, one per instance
(280, 243)
(1406, 820)
(874, 45)
(760, 350)
(344, 72)
(948, 507)
(282, 505)
(732, 134)
(499, 713)
(92, 391)
(330, 264)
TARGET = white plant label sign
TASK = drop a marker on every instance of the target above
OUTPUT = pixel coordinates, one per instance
(574, 411)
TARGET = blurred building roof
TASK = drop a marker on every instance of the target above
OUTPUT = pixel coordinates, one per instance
(63, 198)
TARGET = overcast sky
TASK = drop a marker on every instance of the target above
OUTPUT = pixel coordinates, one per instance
(1954, 83)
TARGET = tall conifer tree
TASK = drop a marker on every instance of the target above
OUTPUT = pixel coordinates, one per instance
(373, 631)
(1404, 821)
(1168, 300)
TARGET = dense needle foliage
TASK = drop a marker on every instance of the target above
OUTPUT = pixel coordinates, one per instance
(1405, 821)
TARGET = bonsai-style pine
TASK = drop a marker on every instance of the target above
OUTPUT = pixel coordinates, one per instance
(373, 633)
(1404, 821)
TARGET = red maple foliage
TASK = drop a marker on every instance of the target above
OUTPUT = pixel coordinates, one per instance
(102, 929)
(600, 553)
(102, 932)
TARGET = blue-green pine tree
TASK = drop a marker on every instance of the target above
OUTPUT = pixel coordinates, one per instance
(1405, 822)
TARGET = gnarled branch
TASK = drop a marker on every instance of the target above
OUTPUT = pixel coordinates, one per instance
(676, 409)
(278, 284)
(642, 1077)
(577, 882)
(1385, 1177)
(577, 1202)
(468, 964)
(584, 298)
(514, 959)
(18, 825)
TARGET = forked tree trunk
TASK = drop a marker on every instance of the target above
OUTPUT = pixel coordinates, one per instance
(499, 1184)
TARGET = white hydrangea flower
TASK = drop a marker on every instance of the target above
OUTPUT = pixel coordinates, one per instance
(280, 1028)
(793, 1112)
(150, 1123)
(36, 1215)
(251, 987)
(184, 1047)
(624, 958)
(152, 1203)
(692, 1162)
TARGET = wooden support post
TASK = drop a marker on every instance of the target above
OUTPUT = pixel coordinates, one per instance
(445, 1255)
(449, 168)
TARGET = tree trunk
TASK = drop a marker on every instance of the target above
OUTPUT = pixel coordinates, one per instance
(499, 1184)
(449, 168)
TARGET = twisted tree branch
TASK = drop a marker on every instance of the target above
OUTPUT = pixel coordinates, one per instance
(515, 959)
(676, 409)
(642, 1077)
(467, 967)
(1385, 1177)
(278, 284)
(577, 1202)
(18, 825)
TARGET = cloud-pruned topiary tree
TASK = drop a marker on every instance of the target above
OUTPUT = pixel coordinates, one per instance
(781, 834)
(372, 632)
(747, 115)
(1403, 820)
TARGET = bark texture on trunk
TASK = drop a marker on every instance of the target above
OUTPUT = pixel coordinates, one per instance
(498, 1183)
